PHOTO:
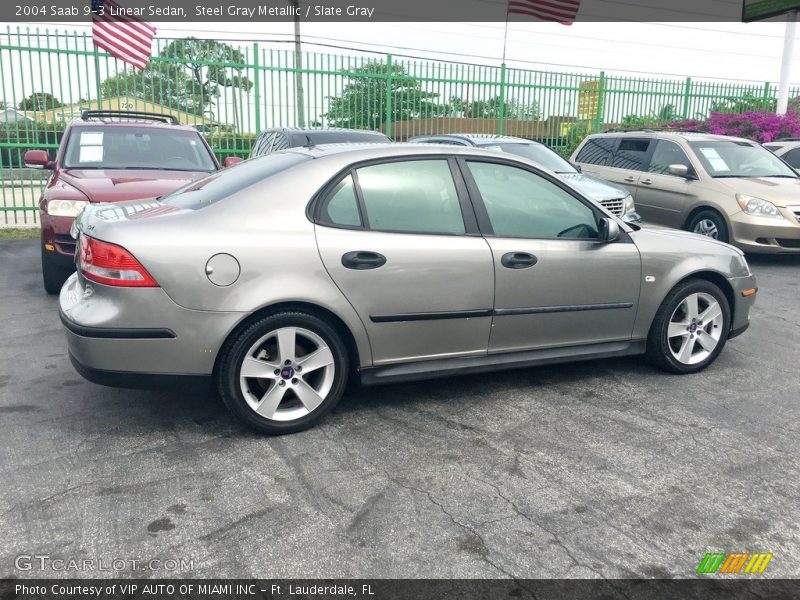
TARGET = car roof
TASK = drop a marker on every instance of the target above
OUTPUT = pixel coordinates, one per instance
(141, 123)
(692, 136)
(478, 139)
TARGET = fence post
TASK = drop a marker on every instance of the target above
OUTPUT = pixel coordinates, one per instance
(687, 96)
(97, 80)
(501, 113)
(388, 131)
(767, 94)
(597, 126)
(257, 86)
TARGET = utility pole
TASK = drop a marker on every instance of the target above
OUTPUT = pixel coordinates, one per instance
(786, 62)
(298, 66)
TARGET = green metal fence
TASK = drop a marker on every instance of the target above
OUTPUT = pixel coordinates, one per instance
(232, 91)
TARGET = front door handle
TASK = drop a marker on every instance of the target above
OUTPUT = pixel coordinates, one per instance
(647, 181)
(630, 179)
(362, 260)
(518, 260)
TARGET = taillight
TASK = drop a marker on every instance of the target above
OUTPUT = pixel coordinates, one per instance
(112, 265)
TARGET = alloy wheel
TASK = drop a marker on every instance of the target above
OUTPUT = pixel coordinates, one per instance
(695, 328)
(287, 374)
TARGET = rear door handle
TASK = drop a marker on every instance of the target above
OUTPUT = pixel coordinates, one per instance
(630, 179)
(361, 260)
(518, 260)
(647, 181)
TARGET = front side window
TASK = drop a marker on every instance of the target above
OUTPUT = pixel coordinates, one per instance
(667, 153)
(733, 158)
(411, 197)
(631, 154)
(521, 204)
(126, 147)
(596, 151)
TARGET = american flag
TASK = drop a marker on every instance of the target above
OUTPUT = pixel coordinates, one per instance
(562, 11)
(127, 38)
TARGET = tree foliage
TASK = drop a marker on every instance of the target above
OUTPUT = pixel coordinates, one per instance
(40, 101)
(191, 79)
(490, 109)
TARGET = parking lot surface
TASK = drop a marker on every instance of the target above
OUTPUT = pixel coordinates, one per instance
(599, 469)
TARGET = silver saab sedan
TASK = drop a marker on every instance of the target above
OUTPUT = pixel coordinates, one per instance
(284, 277)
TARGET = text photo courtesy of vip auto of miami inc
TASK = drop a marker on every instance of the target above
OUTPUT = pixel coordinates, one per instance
(470, 299)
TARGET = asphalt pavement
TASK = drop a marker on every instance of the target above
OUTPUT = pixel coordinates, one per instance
(599, 469)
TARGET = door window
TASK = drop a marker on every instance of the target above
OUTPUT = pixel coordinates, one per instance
(596, 151)
(522, 204)
(667, 153)
(411, 197)
(631, 154)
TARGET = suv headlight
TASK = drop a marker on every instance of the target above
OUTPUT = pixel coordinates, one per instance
(758, 207)
(629, 214)
(65, 208)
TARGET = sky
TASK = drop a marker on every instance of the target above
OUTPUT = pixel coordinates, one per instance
(732, 51)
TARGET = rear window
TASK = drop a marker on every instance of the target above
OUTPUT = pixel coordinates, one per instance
(222, 184)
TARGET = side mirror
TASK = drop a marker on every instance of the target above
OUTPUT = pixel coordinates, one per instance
(231, 160)
(37, 159)
(679, 170)
(609, 230)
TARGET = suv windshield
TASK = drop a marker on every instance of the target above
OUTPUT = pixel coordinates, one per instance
(729, 158)
(137, 148)
(537, 153)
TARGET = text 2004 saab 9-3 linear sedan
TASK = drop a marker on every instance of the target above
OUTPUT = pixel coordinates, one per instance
(286, 275)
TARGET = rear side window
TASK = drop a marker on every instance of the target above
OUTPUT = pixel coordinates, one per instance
(341, 205)
(792, 157)
(411, 197)
(596, 151)
(222, 184)
(631, 154)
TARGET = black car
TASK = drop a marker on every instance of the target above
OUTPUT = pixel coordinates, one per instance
(280, 138)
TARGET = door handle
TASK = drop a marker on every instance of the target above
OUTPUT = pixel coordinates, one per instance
(518, 260)
(647, 181)
(361, 260)
(630, 179)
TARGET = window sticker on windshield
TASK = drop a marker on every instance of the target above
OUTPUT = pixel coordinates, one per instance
(714, 159)
(91, 154)
(91, 138)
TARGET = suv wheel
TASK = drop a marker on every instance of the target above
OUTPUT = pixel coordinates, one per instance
(53, 276)
(709, 223)
(283, 373)
(690, 328)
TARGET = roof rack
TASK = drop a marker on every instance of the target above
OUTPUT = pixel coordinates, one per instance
(128, 114)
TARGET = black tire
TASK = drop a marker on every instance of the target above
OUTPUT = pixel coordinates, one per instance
(659, 353)
(233, 354)
(710, 216)
(53, 275)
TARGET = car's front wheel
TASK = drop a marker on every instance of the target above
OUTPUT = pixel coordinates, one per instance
(284, 372)
(53, 275)
(690, 328)
(710, 224)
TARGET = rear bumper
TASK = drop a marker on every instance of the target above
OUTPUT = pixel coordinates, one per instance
(143, 381)
(764, 235)
(125, 334)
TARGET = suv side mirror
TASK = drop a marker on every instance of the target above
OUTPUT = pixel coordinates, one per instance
(609, 230)
(37, 159)
(679, 170)
(230, 161)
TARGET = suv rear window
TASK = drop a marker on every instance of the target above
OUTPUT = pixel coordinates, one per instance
(596, 151)
(222, 184)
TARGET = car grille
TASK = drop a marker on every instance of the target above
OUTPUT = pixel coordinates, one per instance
(65, 243)
(788, 243)
(615, 205)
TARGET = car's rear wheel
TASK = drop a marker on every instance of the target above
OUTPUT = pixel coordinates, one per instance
(710, 224)
(53, 275)
(284, 372)
(690, 328)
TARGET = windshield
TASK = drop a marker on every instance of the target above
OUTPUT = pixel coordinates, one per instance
(538, 153)
(227, 182)
(137, 148)
(729, 158)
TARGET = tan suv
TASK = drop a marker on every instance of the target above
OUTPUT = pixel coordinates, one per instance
(727, 188)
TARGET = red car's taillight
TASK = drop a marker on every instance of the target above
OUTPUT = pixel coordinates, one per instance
(111, 265)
